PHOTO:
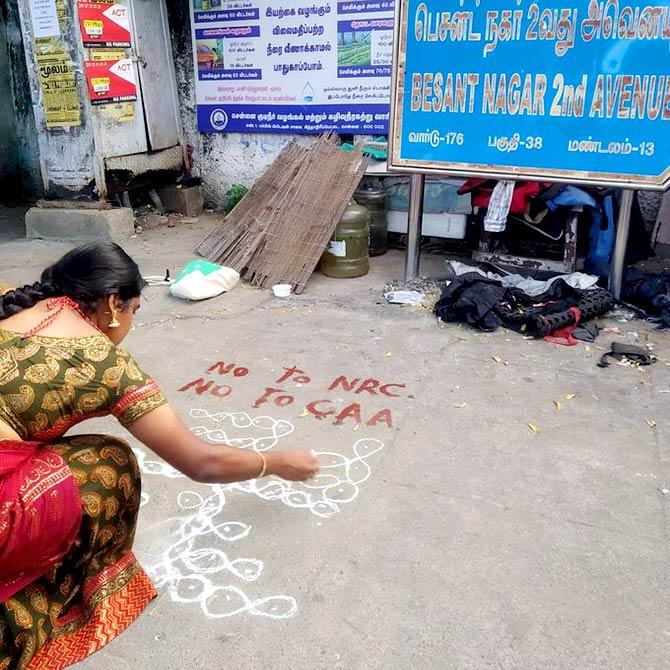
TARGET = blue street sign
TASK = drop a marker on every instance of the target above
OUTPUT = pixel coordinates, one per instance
(571, 90)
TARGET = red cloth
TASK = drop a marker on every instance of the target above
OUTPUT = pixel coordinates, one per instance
(564, 335)
(481, 189)
(40, 513)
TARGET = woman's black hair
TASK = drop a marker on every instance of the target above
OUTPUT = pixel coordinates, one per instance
(87, 274)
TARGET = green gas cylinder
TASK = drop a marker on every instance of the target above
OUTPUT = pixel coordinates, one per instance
(348, 254)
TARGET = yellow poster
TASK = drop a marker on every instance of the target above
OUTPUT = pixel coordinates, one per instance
(58, 83)
(119, 111)
(61, 11)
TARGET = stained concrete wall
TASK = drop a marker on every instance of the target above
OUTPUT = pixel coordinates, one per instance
(19, 153)
(220, 159)
(8, 162)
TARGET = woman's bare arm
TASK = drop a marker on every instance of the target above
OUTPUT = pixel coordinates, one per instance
(166, 435)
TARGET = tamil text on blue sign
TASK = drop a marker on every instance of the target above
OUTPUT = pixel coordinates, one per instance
(573, 91)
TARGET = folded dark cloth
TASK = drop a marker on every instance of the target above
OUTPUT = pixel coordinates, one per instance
(473, 299)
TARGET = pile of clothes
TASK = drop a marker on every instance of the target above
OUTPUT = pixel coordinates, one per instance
(551, 309)
(544, 207)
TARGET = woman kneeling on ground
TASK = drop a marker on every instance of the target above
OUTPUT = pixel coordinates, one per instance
(69, 581)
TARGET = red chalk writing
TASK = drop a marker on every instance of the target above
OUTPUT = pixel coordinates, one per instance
(279, 400)
(354, 413)
(226, 368)
(295, 375)
(369, 385)
(200, 386)
(322, 409)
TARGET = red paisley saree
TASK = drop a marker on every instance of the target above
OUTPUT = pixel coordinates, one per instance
(69, 582)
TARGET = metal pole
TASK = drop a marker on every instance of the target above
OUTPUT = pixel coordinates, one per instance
(622, 228)
(414, 221)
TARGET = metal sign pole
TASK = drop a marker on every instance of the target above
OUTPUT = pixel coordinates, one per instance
(414, 222)
(622, 228)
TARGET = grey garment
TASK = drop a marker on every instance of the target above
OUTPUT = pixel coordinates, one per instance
(531, 287)
(497, 212)
(586, 332)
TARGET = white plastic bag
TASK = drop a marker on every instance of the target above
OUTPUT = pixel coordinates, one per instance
(200, 280)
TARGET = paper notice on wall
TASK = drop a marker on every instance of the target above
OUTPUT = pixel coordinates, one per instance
(44, 16)
(107, 54)
(58, 85)
(103, 24)
(110, 81)
(293, 67)
(63, 16)
(121, 112)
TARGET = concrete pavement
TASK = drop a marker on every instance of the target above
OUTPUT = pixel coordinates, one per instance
(445, 533)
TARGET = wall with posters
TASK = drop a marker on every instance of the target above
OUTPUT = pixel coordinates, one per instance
(224, 157)
(103, 92)
(65, 136)
(219, 158)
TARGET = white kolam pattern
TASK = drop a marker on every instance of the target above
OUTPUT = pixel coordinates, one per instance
(196, 565)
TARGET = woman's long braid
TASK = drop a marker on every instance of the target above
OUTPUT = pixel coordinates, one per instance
(25, 297)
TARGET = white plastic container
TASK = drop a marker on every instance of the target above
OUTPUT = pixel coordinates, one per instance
(282, 290)
(433, 225)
